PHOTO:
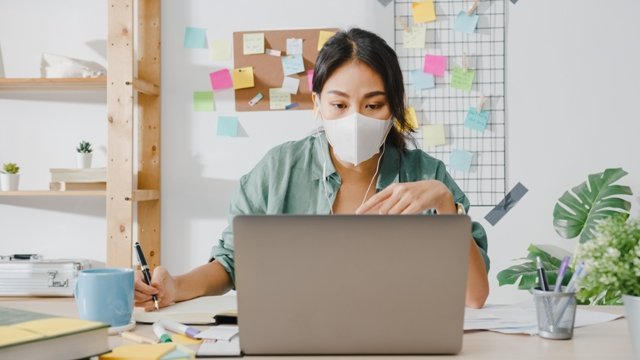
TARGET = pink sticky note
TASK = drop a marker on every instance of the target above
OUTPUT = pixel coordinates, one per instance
(310, 79)
(221, 80)
(435, 65)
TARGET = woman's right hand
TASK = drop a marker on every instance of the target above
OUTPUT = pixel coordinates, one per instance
(163, 285)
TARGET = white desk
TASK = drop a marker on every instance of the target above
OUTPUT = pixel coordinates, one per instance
(604, 341)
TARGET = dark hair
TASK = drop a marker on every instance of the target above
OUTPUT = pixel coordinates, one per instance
(372, 50)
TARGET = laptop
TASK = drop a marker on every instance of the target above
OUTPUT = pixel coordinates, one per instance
(351, 284)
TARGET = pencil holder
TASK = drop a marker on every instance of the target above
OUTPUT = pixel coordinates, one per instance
(556, 313)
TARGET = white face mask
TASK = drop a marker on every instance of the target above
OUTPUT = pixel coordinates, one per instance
(356, 137)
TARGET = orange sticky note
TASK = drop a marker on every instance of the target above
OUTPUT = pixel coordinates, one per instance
(423, 11)
(243, 78)
(323, 36)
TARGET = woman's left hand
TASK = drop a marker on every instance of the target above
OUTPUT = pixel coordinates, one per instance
(410, 198)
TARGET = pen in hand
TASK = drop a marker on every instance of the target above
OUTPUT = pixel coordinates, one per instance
(145, 271)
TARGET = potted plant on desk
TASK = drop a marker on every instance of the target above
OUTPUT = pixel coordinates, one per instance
(84, 154)
(9, 177)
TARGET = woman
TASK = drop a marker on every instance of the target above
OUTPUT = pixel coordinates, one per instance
(359, 95)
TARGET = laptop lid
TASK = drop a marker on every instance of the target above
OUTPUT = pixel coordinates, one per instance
(349, 284)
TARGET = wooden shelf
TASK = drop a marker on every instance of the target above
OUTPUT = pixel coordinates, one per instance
(76, 193)
(52, 84)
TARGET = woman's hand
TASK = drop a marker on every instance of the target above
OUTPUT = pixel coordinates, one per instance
(163, 286)
(410, 198)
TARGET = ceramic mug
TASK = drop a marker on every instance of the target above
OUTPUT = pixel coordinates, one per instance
(105, 295)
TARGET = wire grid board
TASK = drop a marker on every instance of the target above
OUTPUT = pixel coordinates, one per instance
(485, 183)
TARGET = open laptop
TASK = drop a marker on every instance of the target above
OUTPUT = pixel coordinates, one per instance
(351, 284)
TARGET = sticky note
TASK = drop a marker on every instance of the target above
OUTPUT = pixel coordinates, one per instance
(462, 80)
(203, 101)
(415, 37)
(460, 160)
(278, 99)
(323, 36)
(294, 46)
(476, 120)
(420, 80)
(195, 38)
(253, 44)
(290, 85)
(433, 135)
(228, 126)
(423, 11)
(412, 119)
(310, 80)
(243, 78)
(434, 64)
(221, 80)
(465, 23)
(273, 52)
(220, 50)
(292, 64)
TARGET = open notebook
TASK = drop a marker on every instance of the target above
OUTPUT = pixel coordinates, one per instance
(199, 311)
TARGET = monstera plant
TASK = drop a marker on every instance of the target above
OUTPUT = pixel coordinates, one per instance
(576, 214)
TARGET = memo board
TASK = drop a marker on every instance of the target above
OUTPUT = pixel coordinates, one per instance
(267, 69)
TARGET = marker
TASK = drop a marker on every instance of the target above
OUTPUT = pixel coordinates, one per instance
(176, 327)
(161, 333)
(145, 271)
(542, 276)
(561, 272)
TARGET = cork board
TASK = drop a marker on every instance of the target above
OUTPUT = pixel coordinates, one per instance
(267, 69)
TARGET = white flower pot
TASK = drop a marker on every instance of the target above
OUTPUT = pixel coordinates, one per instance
(9, 182)
(632, 309)
(83, 160)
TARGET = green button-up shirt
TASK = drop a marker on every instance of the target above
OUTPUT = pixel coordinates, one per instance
(289, 180)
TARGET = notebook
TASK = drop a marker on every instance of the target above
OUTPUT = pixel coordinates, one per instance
(351, 284)
(199, 311)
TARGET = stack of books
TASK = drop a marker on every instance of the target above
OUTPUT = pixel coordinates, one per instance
(78, 179)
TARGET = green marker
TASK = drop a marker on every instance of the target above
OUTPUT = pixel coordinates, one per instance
(161, 333)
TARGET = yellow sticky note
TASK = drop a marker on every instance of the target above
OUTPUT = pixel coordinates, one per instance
(220, 50)
(423, 11)
(278, 99)
(433, 135)
(184, 340)
(415, 37)
(323, 36)
(253, 44)
(243, 78)
(139, 351)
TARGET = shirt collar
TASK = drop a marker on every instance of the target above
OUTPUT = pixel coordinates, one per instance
(322, 158)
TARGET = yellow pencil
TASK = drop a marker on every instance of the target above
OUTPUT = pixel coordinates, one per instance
(137, 338)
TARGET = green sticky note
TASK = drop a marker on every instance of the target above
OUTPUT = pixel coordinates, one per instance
(221, 51)
(462, 79)
(228, 126)
(203, 101)
(433, 135)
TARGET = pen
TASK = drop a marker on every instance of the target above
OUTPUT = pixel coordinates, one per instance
(179, 328)
(145, 270)
(561, 272)
(575, 278)
(161, 333)
(542, 276)
(137, 338)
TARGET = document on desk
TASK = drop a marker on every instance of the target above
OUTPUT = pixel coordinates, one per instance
(521, 318)
(221, 332)
(219, 348)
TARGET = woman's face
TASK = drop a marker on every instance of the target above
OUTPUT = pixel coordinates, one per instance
(354, 87)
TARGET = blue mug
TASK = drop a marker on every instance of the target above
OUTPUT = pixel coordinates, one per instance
(105, 295)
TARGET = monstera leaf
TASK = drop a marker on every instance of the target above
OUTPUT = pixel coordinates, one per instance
(525, 275)
(578, 211)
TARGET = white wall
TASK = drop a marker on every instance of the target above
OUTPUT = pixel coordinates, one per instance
(572, 85)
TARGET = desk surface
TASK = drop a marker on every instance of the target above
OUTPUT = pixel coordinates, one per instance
(604, 341)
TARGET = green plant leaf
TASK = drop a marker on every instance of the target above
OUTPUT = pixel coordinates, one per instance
(578, 211)
(525, 275)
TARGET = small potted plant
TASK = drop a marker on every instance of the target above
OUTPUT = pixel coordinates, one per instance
(84, 154)
(9, 177)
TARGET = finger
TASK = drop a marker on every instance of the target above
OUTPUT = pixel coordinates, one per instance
(388, 204)
(140, 286)
(399, 207)
(374, 201)
(411, 209)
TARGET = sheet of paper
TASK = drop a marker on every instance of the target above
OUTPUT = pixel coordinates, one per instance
(294, 46)
(310, 79)
(253, 43)
(219, 348)
(415, 37)
(420, 80)
(433, 135)
(221, 80)
(460, 160)
(323, 36)
(292, 64)
(462, 80)
(195, 38)
(290, 85)
(278, 99)
(435, 64)
(220, 332)
(203, 101)
(465, 23)
(243, 78)
(220, 50)
(423, 11)
(228, 126)
(477, 120)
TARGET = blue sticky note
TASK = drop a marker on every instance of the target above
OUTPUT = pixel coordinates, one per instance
(422, 80)
(292, 64)
(460, 160)
(195, 38)
(228, 126)
(476, 121)
(465, 23)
